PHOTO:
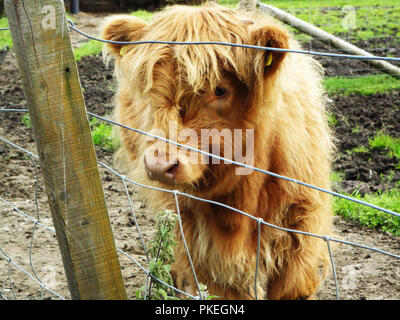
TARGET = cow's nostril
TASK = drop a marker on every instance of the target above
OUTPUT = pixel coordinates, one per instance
(173, 169)
(159, 170)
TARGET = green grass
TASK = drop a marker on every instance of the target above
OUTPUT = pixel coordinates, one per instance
(356, 129)
(332, 119)
(371, 217)
(143, 14)
(360, 149)
(5, 36)
(365, 85)
(102, 135)
(323, 3)
(389, 199)
(387, 142)
(89, 48)
(367, 216)
(94, 47)
(372, 18)
(161, 254)
(26, 120)
(337, 176)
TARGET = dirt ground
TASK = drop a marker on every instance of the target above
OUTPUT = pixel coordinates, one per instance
(362, 274)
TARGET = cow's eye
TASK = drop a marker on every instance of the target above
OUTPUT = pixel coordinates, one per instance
(219, 92)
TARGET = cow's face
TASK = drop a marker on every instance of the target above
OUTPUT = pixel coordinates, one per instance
(203, 96)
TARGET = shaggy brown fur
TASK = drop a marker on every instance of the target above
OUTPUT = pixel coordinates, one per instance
(283, 103)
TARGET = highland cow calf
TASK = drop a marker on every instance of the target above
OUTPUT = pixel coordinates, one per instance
(262, 108)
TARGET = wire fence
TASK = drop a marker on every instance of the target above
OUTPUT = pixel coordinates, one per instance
(36, 221)
(360, 25)
(175, 193)
(357, 25)
(246, 46)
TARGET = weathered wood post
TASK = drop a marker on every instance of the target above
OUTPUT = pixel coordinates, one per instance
(53, 94)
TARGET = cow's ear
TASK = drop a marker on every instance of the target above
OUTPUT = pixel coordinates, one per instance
(121, 28)
(273, 36)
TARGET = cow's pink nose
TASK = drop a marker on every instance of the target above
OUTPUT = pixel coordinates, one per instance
(158, 168)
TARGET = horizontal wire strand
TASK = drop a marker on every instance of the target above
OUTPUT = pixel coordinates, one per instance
(247, 46)
(333, 193)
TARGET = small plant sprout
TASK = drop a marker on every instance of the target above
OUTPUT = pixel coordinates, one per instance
(161, 251)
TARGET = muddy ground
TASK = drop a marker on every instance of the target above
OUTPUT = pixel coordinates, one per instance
(362, 274)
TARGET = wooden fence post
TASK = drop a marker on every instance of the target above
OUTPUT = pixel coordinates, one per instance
(54, 97)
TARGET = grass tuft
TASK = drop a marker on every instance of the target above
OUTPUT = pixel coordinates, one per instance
(387, 142)
(368, 216)
(365, 85)
(161, 251)
(89, 48)
(5, 35)
(103, 136)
